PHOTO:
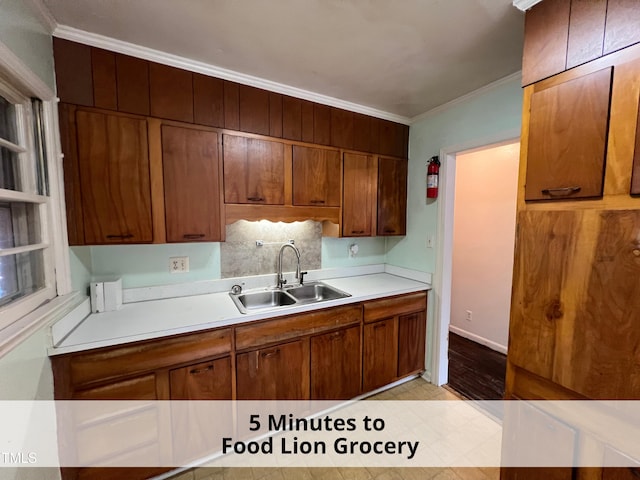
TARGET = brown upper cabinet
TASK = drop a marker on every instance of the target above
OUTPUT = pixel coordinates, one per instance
(566, 157)
(253, 171)
(113, 163)
(254, 110)
(74, 80)
(360, 187)
(392, 196)
(316, 177)
(171, 91)
(208, 100)
(132, 77)
(561, 34)
(191, 164)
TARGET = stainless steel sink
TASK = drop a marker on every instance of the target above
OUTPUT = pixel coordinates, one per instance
(274, 299)
(315, 292)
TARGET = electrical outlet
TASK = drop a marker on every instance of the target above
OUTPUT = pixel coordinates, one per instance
(178, 264)
(469, 315)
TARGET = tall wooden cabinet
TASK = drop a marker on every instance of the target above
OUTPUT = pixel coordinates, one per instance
(392, 196)
(575, 324)
(113, 163)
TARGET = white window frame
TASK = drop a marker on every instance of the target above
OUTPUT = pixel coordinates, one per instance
(18, 84)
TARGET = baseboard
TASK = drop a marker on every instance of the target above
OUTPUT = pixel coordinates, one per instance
(478, 339)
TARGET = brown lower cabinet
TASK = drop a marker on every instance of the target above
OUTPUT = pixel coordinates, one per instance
(329, 354)
(280, 372)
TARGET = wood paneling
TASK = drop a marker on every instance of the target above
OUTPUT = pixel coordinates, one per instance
(103, 67)
(635, 175)
(74, 81)
(586, 31)
(412, 332)
(133, 84)
(208, 100)
(321, 124)
(72, 190)
(254, 110)
(360, 185)
(545, 40)
(253, 171)
(190, 161)
(291, 118)
(621, 30)
(171, 92)
(341, 128)
(392, 138)
(202, 381)
(274, 373)
(392, 196)
(336, 365)
(362, 132)
(307, 119)
(380, 356)
(231, 105)
(114, 174)
(275, 114)
(316, 176)
(566, 157)
(138, 388)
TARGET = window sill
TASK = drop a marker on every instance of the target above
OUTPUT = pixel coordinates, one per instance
(18, 331)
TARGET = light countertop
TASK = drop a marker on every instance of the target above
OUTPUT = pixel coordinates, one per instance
(172, 316)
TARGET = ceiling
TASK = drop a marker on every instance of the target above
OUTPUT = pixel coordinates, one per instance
(403, 57)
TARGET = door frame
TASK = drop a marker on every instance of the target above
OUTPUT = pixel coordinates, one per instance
(444, 252)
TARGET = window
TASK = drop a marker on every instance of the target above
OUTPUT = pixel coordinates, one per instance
(27, 263)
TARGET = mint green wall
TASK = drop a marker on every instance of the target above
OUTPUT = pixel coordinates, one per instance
(27, 38)
(335, 252)
(485, 116)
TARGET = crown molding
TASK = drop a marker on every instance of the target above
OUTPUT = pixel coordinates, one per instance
(108, 43)
(43, 14)
(465, 98)
(27, 81)
(525, 4)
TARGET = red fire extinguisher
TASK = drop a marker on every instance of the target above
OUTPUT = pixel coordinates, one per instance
(432, 177)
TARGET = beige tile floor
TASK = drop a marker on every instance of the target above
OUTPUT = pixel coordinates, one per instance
(417, 389)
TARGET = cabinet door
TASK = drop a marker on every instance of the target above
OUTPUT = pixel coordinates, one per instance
(316, 177)
(133, 84)
(412, 331)
(253, 171)
(336, 365)
(208, 100)
(392, 196)
(190, 162)
(204, 381)
(114, 172)
(359, 195)
(546, 31)
(586, 31)
(621, 29)
(274, 373)
(566, 157)
(254, 110)
(380, 356)
(73, 72)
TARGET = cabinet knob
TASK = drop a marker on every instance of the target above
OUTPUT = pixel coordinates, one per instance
(561, 192)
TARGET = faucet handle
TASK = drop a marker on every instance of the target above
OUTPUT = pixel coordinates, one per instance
(302, 274)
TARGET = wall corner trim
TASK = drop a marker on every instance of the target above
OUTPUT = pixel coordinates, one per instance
(126, 48)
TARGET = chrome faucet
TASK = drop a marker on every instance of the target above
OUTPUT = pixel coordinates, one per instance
(281, 279)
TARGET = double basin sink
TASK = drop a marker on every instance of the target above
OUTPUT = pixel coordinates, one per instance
(272, 299)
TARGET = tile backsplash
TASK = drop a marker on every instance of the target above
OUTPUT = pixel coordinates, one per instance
(239, 255)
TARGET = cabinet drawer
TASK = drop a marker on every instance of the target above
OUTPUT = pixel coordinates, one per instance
(285, 328)
(389, 307)
(115, 362)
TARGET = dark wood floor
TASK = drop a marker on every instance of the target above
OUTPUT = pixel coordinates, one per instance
(475, 371)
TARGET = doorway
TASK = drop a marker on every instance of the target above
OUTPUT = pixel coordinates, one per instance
(475, 260)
